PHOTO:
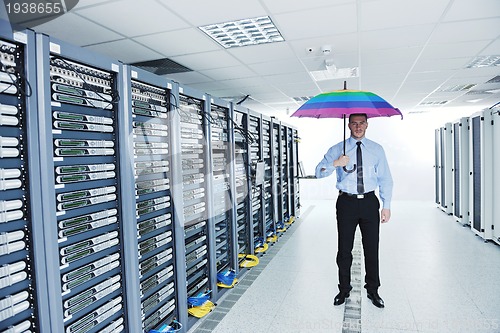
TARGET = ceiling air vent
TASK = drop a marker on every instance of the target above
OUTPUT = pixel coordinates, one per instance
(162, 66)
(479, 92)
(432, 103)
(484, 61)
(496, 79)
(302, 99)
(458, 87)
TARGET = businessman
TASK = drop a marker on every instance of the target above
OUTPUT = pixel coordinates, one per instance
(357, 203)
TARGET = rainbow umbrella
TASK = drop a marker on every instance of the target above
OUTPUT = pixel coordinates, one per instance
(341, 103)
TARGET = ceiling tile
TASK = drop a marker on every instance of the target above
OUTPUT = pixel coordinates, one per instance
(188, 78)
(466, 31)
(396, 13)
(142, 17)
(277, 67)
(228, 73)
(466, 9)
(179, 42)
(77, 30)
(317, 22)
(285, 6)
(395, 38)
(207, 60)
(261, 53)
(201, 12)
(280, 79)
(453, 50)
(125, 50)
(426, 65)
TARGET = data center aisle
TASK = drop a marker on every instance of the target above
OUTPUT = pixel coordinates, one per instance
(436, 277)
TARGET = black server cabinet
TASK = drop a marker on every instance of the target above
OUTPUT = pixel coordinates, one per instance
(22, 293)
(276, 151)
(268, 196)
(242, 140)
(151, 280)
(222, 174)
(79, 113)
(255, 155)
(295, 190)
(196, 196)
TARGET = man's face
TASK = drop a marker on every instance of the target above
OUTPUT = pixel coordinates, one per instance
(358, 126)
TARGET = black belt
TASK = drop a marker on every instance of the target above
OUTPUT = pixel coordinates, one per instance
(357, 196)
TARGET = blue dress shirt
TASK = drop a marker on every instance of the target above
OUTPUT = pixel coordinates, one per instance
(376, 172)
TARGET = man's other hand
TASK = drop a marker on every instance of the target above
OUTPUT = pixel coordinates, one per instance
(385, 215)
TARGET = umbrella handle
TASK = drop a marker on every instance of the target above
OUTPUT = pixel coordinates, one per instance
(350, 171)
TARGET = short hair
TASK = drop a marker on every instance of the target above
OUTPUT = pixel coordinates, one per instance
(358, 114)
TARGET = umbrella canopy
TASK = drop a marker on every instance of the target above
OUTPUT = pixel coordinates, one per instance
(342, 103)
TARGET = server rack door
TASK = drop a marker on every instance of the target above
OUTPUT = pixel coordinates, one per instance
(475, 179)
(495, 115)
(437, 165)
(456, 169)
(255, 155)
(295, 175)
(196, 198)
(464, 171)
(221, 164)
(278, 176)
(79, 108)
(152, 236)
(22, 277)
(487, 174)
(447, 170)
(269, 217)
(242, 139)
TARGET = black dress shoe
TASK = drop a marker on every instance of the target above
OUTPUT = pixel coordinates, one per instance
(376, 299)
(340, 298)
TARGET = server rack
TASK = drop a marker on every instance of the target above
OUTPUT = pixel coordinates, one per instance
(461, 170)
(495, 118)
(257, 186)
(437, 165)
(242, 140)
(480, 180)
(277, 151)
(294, 175)
(446, 169)
(289, 174)
(268, 195)
(196, 195)
(22, 284)
(283, 184)
(80, 171)
(153, 271)
(222, 173)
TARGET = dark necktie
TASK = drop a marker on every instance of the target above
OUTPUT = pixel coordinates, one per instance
(359, 162)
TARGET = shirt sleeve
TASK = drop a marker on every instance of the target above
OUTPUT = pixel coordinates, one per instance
(385, 182)
(326, 164)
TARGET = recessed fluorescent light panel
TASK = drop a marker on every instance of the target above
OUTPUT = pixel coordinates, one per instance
(245, 32)
(484, 61)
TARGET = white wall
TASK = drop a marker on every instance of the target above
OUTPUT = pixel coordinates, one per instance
(408, 143)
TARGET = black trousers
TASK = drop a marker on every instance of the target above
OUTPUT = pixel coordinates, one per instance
(352, 212)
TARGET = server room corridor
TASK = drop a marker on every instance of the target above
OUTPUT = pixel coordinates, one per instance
(436, 277)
